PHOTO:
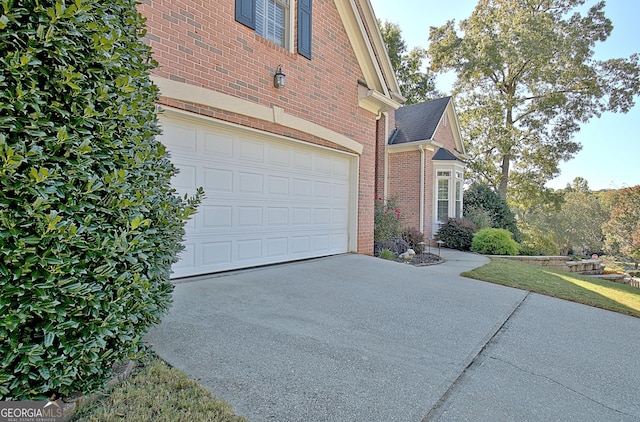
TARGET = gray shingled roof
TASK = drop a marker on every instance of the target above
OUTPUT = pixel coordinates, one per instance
(444, 154)
(418, 122)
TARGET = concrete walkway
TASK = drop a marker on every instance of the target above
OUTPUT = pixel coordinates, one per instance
(356, 338)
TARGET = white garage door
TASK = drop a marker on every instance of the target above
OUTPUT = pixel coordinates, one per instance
(268, 200)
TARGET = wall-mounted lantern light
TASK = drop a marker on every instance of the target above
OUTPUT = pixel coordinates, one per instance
(279, 78)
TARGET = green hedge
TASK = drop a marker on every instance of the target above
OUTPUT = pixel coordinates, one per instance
(494, 242)
(89, 223)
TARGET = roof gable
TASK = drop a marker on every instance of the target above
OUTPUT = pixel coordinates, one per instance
(380, 91)
(418, 122)
(444, 154)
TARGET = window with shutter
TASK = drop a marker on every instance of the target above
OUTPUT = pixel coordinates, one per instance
(304, 28)
(271, 20)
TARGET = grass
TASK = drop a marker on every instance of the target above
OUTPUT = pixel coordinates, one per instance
(564, 285)
(157, 393)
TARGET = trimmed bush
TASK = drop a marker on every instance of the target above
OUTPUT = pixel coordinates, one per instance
(89, 222)
(494, 242)
(457, 233)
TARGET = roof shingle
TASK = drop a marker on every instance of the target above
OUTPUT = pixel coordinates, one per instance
(418, 122)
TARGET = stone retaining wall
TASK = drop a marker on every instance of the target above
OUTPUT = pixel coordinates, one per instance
(586, 266)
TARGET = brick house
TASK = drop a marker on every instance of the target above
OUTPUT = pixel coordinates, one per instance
(425, 164)
(289, 171)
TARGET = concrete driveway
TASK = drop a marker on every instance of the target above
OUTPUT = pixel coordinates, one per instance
(356, 338)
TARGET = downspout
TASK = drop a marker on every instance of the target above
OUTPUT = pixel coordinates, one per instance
(421, 188)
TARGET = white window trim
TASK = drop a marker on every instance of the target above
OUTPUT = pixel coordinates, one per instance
(456, 172)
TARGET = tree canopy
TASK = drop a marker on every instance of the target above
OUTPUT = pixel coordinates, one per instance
(416, 85)
(526, 79)
(622, 231)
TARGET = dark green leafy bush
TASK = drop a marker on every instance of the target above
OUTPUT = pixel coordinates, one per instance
(457, 233)
(494, 242)
(89, 225)
(482, 204)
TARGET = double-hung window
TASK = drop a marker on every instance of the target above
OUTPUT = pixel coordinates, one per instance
(271, 19)
(443, 196)
(449, 184)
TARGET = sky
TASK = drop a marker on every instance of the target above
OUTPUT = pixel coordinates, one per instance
(610, 155)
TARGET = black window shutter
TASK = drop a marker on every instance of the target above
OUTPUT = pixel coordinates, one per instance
(304, 28)
(246, 12)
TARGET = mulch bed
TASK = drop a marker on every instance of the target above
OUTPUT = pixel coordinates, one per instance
(424, 259)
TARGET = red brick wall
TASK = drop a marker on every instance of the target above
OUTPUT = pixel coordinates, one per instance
(404, 182)
(200, 43)
(444, 135)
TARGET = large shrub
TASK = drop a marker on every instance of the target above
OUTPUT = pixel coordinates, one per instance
(480, 202)
(457, 233)
(89, 223)
(387, 219)
(494, 242)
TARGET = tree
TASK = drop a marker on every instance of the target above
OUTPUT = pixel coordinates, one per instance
(480, 201)
(622, 231)
(415, 84)
(575, 225)
(89, 223)
(526, 79)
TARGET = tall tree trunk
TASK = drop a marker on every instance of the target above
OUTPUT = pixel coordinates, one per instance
(504, 177)
(506, 156)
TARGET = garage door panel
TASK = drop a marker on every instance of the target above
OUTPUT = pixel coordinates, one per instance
(278, 186)
(277, 247)
(216, 216)
(252, 151)
(279, 156)
(214, 255)
(217, 144)
(216, 180)
(277, 216)
(267, 200)
(302, 160)
(179, 136)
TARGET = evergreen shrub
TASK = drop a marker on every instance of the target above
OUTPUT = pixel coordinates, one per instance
(457, 233)
(89, 224)
(494, 242)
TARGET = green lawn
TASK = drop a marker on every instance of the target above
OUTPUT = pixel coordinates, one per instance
(157, 393)
(603, 294)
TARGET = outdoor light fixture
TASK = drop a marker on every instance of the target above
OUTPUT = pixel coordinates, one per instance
(279, 78)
